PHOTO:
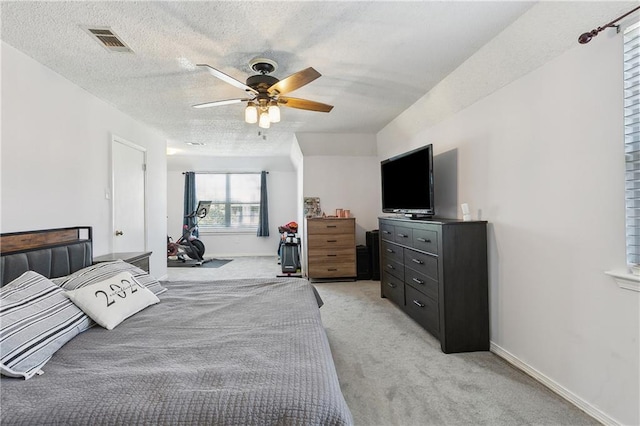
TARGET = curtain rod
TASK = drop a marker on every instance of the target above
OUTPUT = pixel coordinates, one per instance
(228, 173)
(586, 37)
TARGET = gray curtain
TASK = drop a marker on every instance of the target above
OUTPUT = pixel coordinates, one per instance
(190, 202)
(263, 225)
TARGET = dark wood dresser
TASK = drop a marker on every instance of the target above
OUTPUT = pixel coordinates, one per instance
(436, 271)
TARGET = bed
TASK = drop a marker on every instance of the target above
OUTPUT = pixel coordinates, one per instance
(236, 352)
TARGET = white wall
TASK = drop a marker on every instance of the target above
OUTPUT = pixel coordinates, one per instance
(344, 144)
(297, 160)
(341, 170)
(282, 193)
(346, 183)
(56, 165)
(542, 160)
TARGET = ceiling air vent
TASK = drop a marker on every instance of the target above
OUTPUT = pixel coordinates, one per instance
(108, 39)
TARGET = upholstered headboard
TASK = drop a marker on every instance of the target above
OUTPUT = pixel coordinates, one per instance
(50, 252)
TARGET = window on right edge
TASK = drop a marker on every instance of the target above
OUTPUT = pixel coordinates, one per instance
(632, 141)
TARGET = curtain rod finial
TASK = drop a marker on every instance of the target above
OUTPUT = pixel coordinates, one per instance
(586, 37)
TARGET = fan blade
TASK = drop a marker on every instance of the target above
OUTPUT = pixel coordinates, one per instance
(224, 102)
(294, 81)
(228, 79)
(304, 104)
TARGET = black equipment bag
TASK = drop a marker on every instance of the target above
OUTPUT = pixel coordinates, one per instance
(289, 258)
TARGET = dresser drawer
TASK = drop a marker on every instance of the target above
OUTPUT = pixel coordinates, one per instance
(393, 267)
(425, 240)
(387, 232)
(330, 242)
(403, 235)
(421, 262)
(330, 226)
(332, 256)
(422, 283)
(391, 251)
(393, 289)
(422, 309)
(333, 270)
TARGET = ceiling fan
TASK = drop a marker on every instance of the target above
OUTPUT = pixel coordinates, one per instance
(266, 92)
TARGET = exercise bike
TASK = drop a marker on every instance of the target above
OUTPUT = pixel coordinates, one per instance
(188, 247)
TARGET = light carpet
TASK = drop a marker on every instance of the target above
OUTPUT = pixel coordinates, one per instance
(392, 372)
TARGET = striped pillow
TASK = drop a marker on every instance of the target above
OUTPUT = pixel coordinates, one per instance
(103, 271)
(36, 319)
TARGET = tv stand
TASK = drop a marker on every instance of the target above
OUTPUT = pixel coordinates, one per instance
(436, 271)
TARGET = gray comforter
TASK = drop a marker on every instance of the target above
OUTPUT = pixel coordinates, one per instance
(245, 352)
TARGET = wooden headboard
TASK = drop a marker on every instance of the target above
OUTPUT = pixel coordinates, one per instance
(50, 252)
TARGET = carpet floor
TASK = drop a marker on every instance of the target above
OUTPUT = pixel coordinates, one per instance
(392, 372)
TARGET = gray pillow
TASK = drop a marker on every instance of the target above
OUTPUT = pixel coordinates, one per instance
(36, 319)
(102, 271)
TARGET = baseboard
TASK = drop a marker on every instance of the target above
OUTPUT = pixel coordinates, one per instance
(554, 386)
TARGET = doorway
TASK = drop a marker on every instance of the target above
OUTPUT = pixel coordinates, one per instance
(128, 196)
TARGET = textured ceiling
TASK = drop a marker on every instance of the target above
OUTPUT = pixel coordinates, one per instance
(376, 59)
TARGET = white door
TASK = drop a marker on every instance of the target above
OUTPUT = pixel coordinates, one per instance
(128, 172)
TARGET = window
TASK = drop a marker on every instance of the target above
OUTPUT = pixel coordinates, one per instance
(235, 201)
(632, 140)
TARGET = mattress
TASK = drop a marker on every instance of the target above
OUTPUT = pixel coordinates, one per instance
(235, 352)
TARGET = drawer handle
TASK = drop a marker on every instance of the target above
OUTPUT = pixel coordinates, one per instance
(390, 266)
(390, 251)
(418, 261)
(417, 281)
(332, 226)
(386, 232)
(403, 236)
(418, 303)
(332, 241)
(392, 285)
(332, 269)
(423, 240)
(332, 255)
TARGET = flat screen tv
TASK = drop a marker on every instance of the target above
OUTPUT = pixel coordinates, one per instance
(407, 183)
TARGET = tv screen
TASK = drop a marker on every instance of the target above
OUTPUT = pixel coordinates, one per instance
(407, 183)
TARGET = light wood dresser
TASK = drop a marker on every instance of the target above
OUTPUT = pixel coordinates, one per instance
(331, 248)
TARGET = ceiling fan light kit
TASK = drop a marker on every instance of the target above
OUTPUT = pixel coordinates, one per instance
(251, 113)
(264, 121)
(268, 114)
(274, 113)
(266, 92)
